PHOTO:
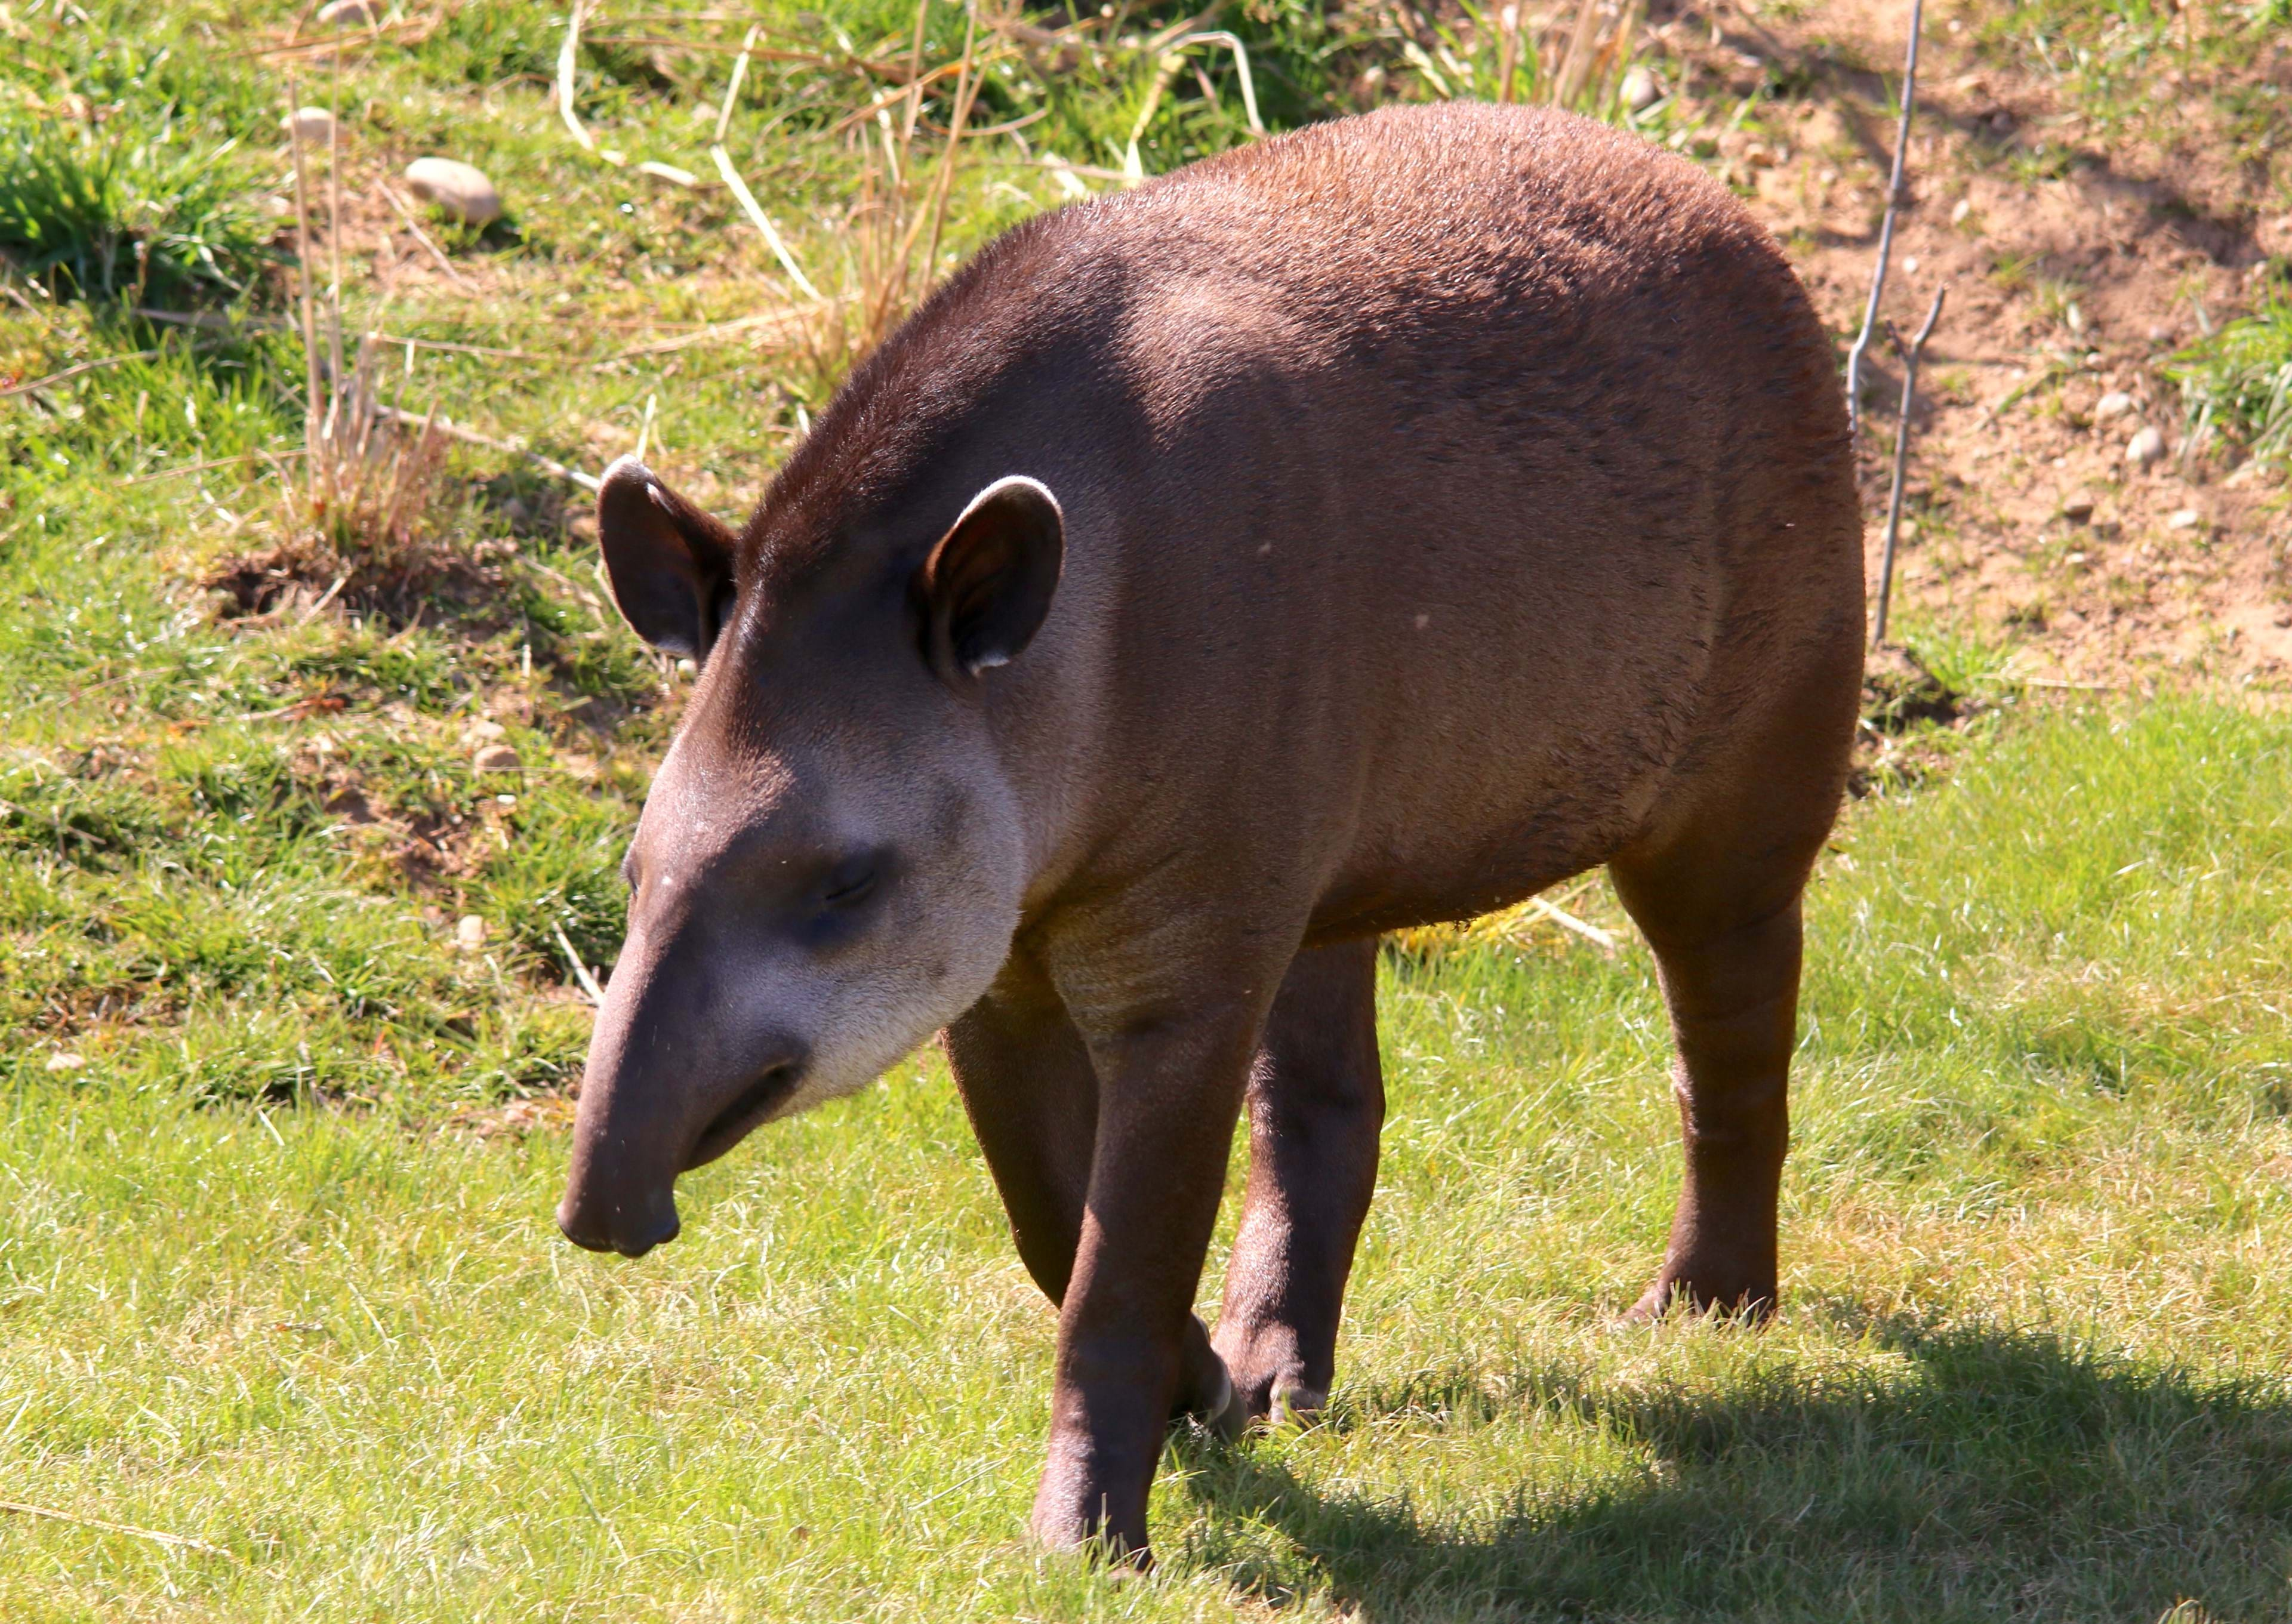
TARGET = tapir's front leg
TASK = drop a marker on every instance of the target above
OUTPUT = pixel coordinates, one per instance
(1027, 1080)
(1171, 1088)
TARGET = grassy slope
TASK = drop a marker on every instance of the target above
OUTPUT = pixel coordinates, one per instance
(259, 1286)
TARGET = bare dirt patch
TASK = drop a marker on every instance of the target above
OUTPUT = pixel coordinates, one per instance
(2082, 254)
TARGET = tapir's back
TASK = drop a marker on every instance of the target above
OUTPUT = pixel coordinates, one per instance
(1443, 486)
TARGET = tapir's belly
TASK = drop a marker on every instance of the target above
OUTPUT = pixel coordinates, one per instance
(1490, 745)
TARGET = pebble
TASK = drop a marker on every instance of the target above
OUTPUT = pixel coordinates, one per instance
(1640, 91)
(2077, 507)
(349, 14)
(470, 933)
(2187, 519)
(1963, 211)
(2146, 446)
(2113, 406)
(2160, 334)
(313, 124)
(496, 758)
(64, 1060)
(459, 190)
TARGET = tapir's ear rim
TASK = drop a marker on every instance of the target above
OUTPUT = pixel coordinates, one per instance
(987, 585)
(667, 564)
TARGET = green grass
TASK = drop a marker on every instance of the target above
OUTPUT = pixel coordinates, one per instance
(2104, 58)
(2237, 381)
(276, 1271)
(2032, 1359)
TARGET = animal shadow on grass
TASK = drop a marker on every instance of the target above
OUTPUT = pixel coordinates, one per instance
(1956, 1474)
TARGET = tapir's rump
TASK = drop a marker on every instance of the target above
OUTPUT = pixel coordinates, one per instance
(1368, 526)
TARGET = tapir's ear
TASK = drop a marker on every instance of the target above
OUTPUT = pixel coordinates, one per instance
(670, 564)
(987, 584)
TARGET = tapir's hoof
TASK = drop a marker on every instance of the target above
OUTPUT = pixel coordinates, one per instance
(1750, 1306)
(1098, 1546)
(1295, 1405)
(1225, 1414)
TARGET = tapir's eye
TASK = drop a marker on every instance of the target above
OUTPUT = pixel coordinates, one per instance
(852, 881)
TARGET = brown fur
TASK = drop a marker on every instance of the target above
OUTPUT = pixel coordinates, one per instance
(1447, 501)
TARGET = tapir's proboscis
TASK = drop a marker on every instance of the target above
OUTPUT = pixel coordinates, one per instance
(1371, 527)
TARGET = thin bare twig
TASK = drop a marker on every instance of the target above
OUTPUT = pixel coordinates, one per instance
(739, 188)
(455, 431)
(220, 462)
(421, 237)
(1576, 63)
(1902, 464)
(566, 55)
(967, 91)
(1582, 928)
(181, 1542)
(596, 994)
(72, 372)
(762, 223)
(1885, 232)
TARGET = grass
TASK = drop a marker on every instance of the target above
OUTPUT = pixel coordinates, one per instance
(2032, 1359)
(282, 1135)
(2237, 381)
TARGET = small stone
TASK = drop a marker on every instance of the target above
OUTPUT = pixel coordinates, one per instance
(1640, 91)
(2186, 519)
(470, 933)
(2147, 446)
(2113, 406)
(455, 188)
(1963, 212)
(349, 14)
(2075, 558)
(2159, 333)
(64, 1060)
(496, 758)
(483, 730)
(312, 125)
(2077, 506)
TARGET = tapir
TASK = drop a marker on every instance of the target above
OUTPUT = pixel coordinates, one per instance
(1372, 526)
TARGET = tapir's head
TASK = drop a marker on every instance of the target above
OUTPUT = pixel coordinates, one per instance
(830, 864)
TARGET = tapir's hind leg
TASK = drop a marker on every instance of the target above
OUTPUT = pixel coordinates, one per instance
(1719, 903)
(1316, 1103)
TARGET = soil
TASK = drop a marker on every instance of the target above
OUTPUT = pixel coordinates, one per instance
(2078, 261)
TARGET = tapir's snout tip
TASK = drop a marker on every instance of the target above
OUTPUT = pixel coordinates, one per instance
(632, 1234)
